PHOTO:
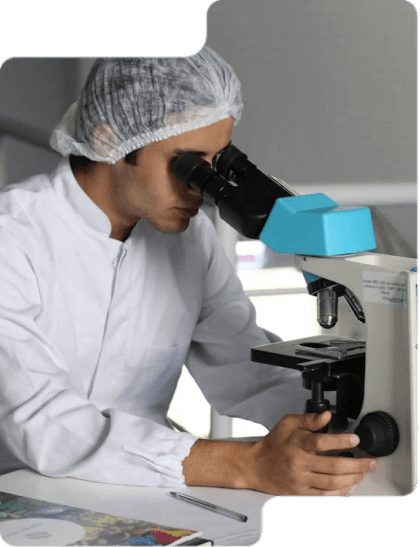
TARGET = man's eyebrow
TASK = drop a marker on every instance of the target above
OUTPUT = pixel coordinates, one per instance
(178, 151)
(190, 150)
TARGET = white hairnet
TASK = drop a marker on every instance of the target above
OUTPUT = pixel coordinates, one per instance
(126, 104)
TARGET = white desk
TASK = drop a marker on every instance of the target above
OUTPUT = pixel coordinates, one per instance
(146, 503)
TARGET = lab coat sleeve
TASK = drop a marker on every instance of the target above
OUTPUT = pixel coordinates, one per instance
(52, 428)
(219, 357)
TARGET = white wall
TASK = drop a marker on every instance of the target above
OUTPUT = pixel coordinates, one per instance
(329, 88)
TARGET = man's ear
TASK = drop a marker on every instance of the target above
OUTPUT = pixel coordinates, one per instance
(104, 140)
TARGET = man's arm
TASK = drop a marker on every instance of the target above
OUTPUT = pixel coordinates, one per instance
(219, 355)
(287, 461)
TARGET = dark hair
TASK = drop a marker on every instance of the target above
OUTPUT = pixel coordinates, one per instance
(79, 161)
(82, 161)
(131, 158)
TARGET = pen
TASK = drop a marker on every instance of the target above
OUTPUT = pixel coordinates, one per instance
(210, 506)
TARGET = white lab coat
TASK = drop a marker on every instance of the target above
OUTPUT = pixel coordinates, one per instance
(94, 332)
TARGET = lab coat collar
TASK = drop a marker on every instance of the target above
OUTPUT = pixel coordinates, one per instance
(86, 210)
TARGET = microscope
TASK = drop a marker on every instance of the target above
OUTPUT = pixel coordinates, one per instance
(369, 385)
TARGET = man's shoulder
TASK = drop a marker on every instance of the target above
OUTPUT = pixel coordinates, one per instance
(200, 233)
(201, 225)
(23, 205)
(20, 195)
(200, 238)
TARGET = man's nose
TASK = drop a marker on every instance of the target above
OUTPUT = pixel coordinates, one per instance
(209, 159)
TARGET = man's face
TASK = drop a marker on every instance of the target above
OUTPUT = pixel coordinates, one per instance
(149, 189)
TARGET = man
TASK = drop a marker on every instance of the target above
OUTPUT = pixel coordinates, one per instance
(111, 278)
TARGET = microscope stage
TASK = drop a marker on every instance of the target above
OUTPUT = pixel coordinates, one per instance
(306, 354)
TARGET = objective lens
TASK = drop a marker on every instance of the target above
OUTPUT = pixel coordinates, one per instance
(327, 308)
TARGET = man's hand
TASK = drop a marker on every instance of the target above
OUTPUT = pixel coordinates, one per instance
(287, 461)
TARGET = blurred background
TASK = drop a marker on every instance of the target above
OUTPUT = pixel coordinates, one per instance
(330, 106)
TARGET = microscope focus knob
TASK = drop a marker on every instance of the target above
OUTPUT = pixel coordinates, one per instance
(378, 432)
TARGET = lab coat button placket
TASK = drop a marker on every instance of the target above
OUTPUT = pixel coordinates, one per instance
(116, 263)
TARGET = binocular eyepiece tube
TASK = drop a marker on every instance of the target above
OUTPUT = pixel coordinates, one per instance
(243, 194)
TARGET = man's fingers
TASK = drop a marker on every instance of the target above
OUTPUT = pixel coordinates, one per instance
(335, 482)
(332, 465)
(324, 442)
(334, 485)
(318, 421)
(310, 491)
(307, 422)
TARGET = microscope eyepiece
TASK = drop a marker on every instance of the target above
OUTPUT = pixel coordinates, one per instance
(197, 174)
(244, 206)
(231, 162)
(234, 165)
